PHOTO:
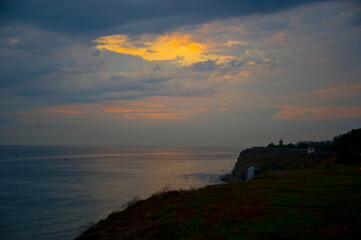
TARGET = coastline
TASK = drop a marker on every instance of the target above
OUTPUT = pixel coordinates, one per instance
(275, 159)
(288, 204)
(94, 182)
(267, 207)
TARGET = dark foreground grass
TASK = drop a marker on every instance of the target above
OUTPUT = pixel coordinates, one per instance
(302, 204)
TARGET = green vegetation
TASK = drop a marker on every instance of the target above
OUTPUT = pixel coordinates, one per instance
(302, 145)
(348, 142)
(299, 145)
(297, 204)
(348, 147)
(269, 166)
(290, 145)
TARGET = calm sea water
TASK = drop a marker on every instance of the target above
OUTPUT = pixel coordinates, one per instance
(49, 192)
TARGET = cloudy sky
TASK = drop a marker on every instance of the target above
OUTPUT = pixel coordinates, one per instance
(182, 73)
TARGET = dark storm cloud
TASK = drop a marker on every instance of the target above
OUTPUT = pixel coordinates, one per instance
(205, 66)
(275, 26)
(89, 16)
(123, 84)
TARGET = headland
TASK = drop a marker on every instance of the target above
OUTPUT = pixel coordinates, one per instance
(296, 196)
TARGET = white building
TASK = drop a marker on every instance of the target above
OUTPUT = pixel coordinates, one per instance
(252, 172)
(311, 149)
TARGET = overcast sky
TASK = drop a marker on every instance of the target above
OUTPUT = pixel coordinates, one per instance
(178, 73)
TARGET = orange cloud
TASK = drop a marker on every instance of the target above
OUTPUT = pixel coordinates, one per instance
(163, 47)
(175, 46)
(232, 43)
(70, 109)
(126, 109)
(177, 108)
(296, 113)
(279, 36)
(340, 90)
(323, 91)
(156, 108)
(158, 116)
(356, 86)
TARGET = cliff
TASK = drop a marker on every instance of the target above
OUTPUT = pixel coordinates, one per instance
(323, 203)
(268, 159)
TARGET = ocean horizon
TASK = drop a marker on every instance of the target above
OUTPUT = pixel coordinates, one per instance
(55, 192)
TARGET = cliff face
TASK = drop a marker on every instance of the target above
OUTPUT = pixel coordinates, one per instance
(276, 159)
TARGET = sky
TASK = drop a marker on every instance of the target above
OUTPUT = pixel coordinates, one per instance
(234, 73)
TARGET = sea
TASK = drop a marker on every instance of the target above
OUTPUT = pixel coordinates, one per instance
(57, 192)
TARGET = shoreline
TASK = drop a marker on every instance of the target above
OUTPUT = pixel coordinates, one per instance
(200, 206)
(188, 214)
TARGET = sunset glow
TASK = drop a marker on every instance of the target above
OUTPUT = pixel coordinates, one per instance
(295, 113)
(177, 47)
(209, 73)
(103, 101)
(154, 108)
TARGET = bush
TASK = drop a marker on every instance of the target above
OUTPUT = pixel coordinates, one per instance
(348, 142)
(269, 166)
(290, 145)
(302, 145)
(348, 158)
(271, 145)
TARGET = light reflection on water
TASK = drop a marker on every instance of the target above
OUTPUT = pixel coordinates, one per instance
(54, 192)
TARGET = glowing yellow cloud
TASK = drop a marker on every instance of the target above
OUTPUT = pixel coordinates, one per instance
(175, 46)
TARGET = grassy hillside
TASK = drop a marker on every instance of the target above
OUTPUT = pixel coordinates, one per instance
(294, 204)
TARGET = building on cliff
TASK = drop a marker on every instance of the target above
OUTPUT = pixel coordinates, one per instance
(311, 149)
(252, 172)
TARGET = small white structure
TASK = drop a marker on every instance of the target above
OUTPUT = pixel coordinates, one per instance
(310, 149)
(252, 172)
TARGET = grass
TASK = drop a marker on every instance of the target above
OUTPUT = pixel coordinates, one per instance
(130, 203)
(298, 204)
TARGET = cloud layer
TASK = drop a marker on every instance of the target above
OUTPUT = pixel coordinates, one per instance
(92, 16)
(213, 73)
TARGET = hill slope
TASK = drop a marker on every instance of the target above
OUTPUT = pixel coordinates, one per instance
(297, 204)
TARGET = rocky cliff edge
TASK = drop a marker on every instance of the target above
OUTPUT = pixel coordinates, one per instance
(270, 159)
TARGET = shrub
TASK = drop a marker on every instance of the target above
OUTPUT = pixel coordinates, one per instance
(271, 145)
(348, 158)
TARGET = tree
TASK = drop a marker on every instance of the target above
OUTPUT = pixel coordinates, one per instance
(271, 145)
(348, 142)
(302, 145)
(348, 147)
(290, 145)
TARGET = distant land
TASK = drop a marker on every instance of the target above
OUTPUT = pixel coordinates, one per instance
(272, 159)
(297, 196)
